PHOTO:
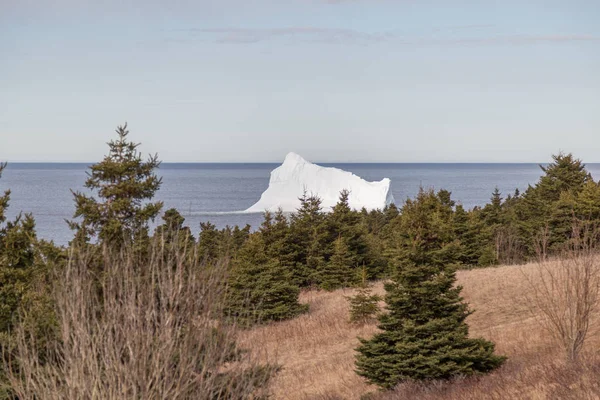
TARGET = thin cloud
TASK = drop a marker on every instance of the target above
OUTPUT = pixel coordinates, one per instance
(523, 39)
(330, 35)
(351, 36)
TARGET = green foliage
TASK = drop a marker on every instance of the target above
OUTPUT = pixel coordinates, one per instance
(209, 242)
(261, 289)
(339, 271)
(345, 223)
(306, 241)
(124, 184)
(364, 306)
(541, 211)
(25, 267)
(176, 239)
(423, 333)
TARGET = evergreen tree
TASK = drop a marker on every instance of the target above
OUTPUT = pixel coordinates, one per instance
(423, 334)
(587, 206)
(345, 223)
(240, 236)
(209, 242)
(124, 184)
(275, 232)
(339, 271)
(260, 289)
(364, 305)
(25, 266)
(175, 238)
(17, 256)
(471, 233)
(173, 228)
(306, 241)
(536, 212)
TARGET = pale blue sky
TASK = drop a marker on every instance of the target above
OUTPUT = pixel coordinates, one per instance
(345, 80)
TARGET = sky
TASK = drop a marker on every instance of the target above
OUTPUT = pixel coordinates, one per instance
(332, 80)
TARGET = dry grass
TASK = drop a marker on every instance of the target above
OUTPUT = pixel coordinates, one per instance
(316, 350)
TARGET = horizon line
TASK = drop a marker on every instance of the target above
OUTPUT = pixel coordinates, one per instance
(314, 162)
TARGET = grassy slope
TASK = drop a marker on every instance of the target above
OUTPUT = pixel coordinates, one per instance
(316, 349)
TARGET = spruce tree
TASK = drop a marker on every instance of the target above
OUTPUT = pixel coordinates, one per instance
(25, 266)
(364, 306)
(209, 242)
(423, 333)
(240, 236)
(275, 232)
(345, 223)
(536, 207)
(17, 252)
(588, 202)
(474, 238)
(125, 185)
(175, 238)
(339, 271)
(306, 241)
(261, 289)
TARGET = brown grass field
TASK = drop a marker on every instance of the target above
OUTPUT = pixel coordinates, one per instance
(316, 350)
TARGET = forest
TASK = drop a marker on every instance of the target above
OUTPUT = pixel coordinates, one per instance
(129, 311)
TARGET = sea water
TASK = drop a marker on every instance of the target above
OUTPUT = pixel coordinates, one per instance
(217, 192)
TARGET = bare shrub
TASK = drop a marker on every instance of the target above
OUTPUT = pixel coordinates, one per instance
(564, 294)
(507, 247)
(145, 328)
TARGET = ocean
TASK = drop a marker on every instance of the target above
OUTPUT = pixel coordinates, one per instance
(217, 192)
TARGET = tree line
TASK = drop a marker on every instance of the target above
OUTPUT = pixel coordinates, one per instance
(415, 248)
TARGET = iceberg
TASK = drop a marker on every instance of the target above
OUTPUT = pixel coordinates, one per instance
(296, 176)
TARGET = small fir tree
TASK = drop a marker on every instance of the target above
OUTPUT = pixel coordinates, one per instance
(209, 241)
(424, 335)
(260, 289)
(305, 244)
(346, 223)
(25, 266)
(364, 306)
(176, 239)
(125, 185)
(537, 209)
(338, 272)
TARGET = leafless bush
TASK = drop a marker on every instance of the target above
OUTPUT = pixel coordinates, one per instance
(565, 293)
(138, 330)
(508, 249)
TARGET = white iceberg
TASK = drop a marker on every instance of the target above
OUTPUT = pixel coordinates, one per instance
(296, 175)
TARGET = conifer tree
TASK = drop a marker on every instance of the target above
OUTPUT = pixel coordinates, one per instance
(345, 223)
(364, 305)
(16, 261)
(275, 231)
(534, 212)
(470, 232)
(25, 265)
(208, 242)
(339, 271)
(423, 333)
(260, 289)
(305, 244)
(125, 185)
(176, 238)
(588, 202)
(240, 236)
